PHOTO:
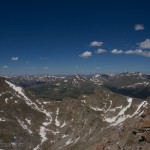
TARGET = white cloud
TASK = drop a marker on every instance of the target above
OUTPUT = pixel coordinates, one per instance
(145, 44)
(5, 67)
(138, 52)
(14, 58)
(45, 68)
(86, 54)
(115, 51)
(96, 43)
(99, 51)
(132, 52)
(139, 27)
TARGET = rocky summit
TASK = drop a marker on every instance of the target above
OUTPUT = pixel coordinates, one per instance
(97, 120)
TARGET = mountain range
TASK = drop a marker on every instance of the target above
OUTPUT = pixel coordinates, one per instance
(76, 112)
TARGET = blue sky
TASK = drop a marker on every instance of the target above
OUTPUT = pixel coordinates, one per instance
(78, 36)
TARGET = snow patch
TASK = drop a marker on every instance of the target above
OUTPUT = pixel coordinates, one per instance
(57, 122)
(64, 136)
(96, 108)
(19, 90)
(46, 102)
(114, 109)
(109, 106)
(84, 96)
(28, 121)
(6, 100)
(83, 101)
(42, 133)
(2, 119)
(65, 81)
(121, 115)
(57, 84)
(144, 103)
(64, 124)
(76, 140)
(54, 132)
(24, 126)
(69, 142)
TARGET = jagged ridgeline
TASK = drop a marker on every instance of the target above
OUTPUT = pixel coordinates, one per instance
(94, 120)
(58, 87)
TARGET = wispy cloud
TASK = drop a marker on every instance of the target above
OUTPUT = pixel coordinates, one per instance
(145, 44)
(98, 68)
(139, 27)
(99, 51)
(5, 67)
(33, 67)
(27, 62)
(14, 58)
(77, 67)
(86, 54)
(116, 51)
(45, 68)
(96, 43)
(43, 58)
